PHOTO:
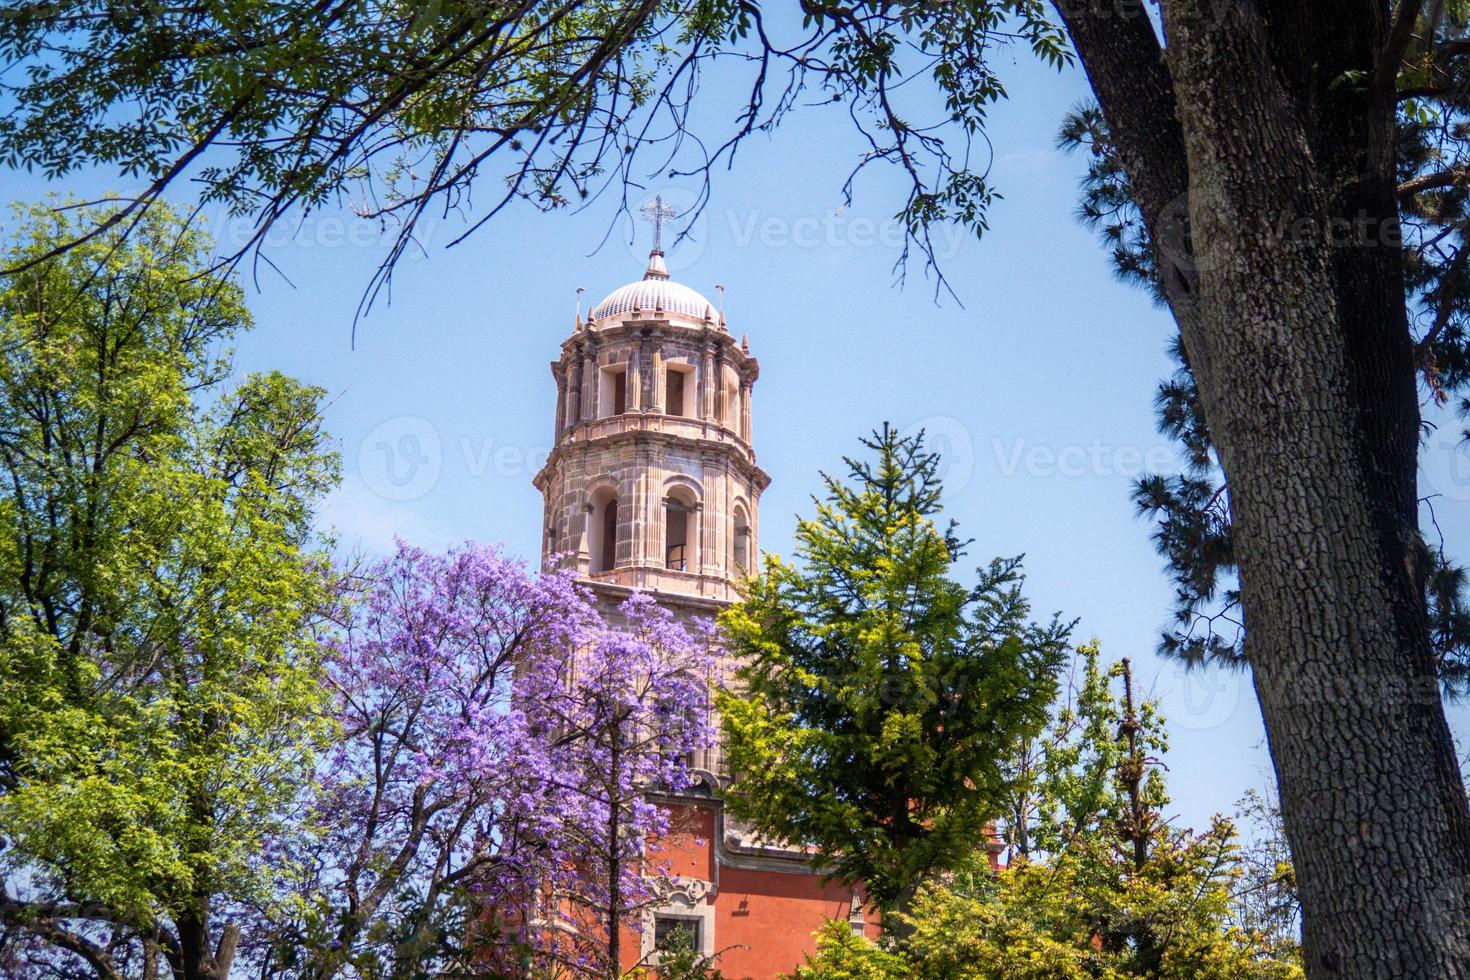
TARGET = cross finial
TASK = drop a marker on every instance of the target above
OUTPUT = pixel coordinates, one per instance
(658, 212)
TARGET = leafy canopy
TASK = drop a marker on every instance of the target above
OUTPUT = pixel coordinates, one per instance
(406, 107)
(1119, 892)
(159, 683)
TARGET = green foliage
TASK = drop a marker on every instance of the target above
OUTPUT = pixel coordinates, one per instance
(1085, 915)
(1118, 893)
(1266, 902)
(1066, 781)
(879, 695)
(156, 588)
(395, 104)
(679, 960)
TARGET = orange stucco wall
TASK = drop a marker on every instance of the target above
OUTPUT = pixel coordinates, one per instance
(764, 920)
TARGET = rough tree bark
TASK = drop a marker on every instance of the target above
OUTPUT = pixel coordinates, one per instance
(1250, 150)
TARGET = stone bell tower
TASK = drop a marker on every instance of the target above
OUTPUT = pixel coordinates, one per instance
(652, 483)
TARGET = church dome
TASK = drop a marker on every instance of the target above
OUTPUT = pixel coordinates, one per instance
(655, 291)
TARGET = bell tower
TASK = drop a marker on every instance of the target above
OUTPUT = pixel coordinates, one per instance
(652, 483)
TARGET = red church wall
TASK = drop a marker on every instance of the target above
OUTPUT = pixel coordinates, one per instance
(688, 848)
(764, 920)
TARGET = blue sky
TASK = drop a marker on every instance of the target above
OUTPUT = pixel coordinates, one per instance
(1039, 389)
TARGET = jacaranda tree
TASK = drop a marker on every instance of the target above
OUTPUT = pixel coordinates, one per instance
(484, 805)
(635, 712)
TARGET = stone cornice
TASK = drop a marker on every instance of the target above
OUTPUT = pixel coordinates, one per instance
(616, 593)
(727, 444)
(635, 331)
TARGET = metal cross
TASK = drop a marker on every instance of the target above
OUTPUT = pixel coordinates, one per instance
(658, 212)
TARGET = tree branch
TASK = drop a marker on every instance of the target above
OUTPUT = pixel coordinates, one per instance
(1400, 34)
(34, 918)
(1125, 65)
(1454, 177)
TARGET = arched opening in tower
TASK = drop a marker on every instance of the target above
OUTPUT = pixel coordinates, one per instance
(602, 531)
(609, 535)
(740, 543)
(678, 508)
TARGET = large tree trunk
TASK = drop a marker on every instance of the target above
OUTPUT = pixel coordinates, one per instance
(1290, 300)
(194, 960)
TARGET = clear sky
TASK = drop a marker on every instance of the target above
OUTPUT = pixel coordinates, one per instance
(1039, 389)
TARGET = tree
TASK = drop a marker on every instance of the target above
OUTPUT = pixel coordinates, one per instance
(877, 696)
(159, 694)
(410, 820)
(1120, 893)
(1266, 902)
(630, 722)
(1268, 189)
(487, 787)
(1062, 779)
(1274, 161)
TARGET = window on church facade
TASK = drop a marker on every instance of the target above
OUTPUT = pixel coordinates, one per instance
(676, 535)
(612, 395)
(679, 529)
(740, 545)
(609, 535)
(602, 532)
(676, 392)
(672, 933)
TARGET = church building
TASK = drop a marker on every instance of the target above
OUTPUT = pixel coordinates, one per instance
(652, 485)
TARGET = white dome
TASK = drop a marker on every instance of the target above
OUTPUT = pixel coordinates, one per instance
(655, 291)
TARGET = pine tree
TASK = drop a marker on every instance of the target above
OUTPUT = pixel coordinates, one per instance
(879, 695)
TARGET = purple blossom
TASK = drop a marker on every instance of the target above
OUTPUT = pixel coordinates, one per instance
(497, 739)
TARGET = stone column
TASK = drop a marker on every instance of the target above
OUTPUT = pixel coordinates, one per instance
(745, 409)
(711, 513)
(647, 373)
(645, 507)
(574, 393)
(589, 385)
(634, 382)
(722, 409)
(561, 402)
(707, 383)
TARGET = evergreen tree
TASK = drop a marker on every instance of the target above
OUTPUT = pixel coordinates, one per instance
(1119, 894)
(878, 695)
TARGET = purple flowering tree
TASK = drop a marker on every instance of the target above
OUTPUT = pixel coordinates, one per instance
(484, 789)
(632, 719)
